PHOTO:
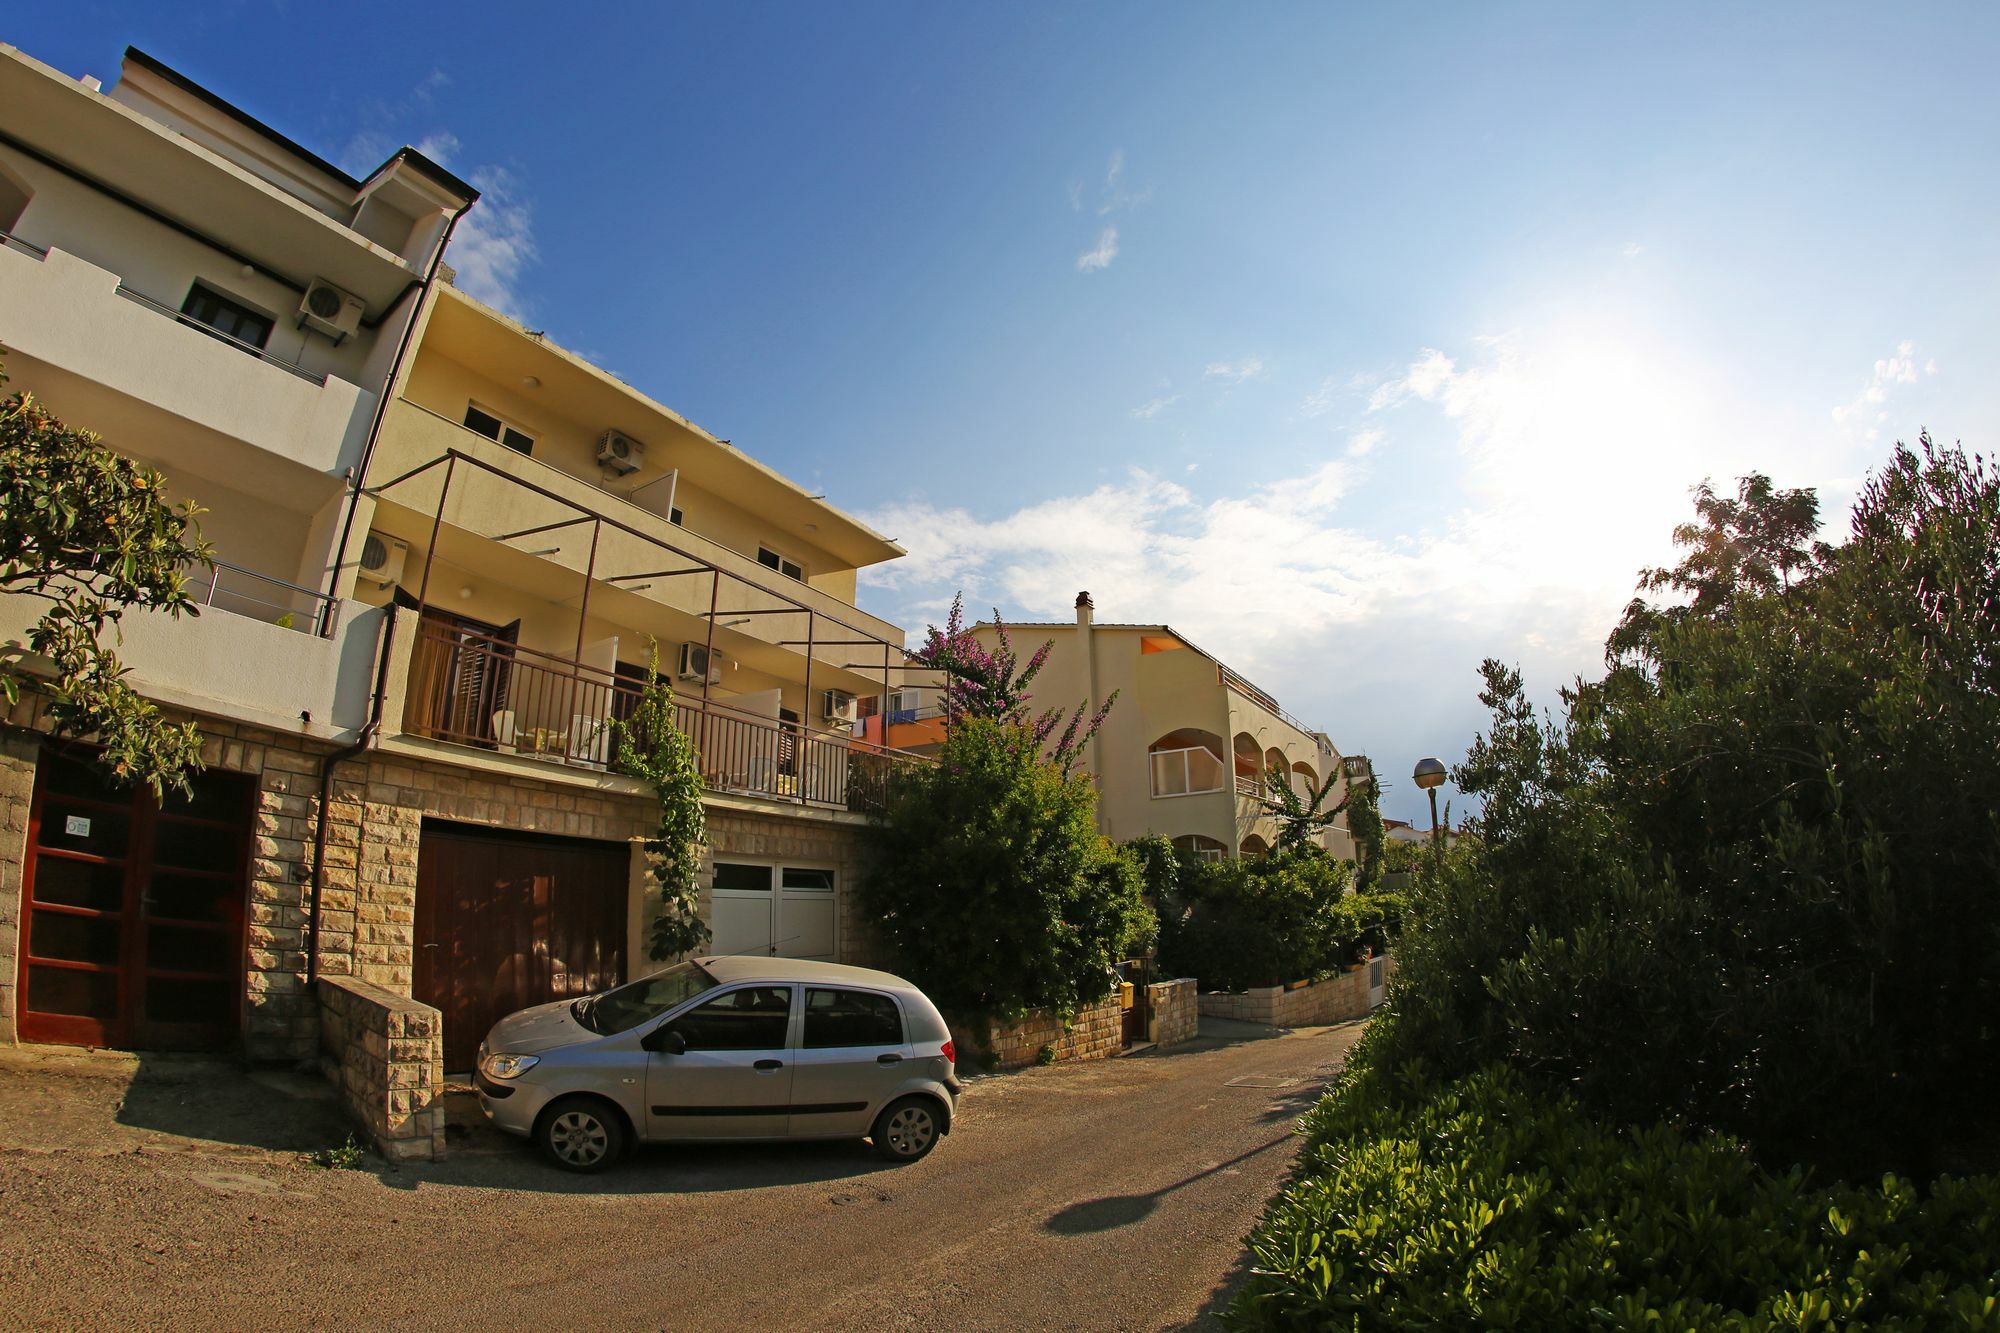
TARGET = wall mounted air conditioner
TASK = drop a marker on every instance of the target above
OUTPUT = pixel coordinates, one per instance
(695, 664)
(383, 558)
(329, 310)
(837, 706)
(620, 453)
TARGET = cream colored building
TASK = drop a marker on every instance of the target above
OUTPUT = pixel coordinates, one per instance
(1183, 752)
(445, 550)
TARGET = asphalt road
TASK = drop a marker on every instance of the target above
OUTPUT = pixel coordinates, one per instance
(1102, 1196)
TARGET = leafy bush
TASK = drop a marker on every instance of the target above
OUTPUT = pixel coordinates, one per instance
(1751, 877)
(990, 884)
(1238, 924)
(1488, 1203)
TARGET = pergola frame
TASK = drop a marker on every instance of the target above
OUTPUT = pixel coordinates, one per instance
(451, 460)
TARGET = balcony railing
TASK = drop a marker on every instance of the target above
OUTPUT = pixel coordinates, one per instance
(477, 690)
(245, 592)
(269, 358)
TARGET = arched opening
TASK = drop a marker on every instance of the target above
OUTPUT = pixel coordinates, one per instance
(1275, 762)
(1254, 847)
(14, 197)
(1186, 761)
(1202, 846)
(1304, 781)
(1249, 760)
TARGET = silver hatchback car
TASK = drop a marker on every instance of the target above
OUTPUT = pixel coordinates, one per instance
(725, 1048)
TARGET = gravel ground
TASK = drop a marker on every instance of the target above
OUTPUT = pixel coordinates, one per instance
(1110, 1195)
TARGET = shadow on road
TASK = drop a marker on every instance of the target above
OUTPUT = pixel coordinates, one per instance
(220, 1101)
(1122, 1210)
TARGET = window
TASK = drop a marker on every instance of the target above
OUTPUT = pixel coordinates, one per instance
(814, 881)
(851, 1018)
(231, 319)
(756, 1018)
(785, 565)
(1186, 772)
(732, 875)
(493, 428)
(675, 517)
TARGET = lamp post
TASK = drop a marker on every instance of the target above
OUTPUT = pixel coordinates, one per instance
(1430, 776)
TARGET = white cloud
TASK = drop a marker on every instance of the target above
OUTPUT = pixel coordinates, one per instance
(1559, 460)
(1235, 372)
(494, 242)
(440, 146)
(1147, 411)
(1106, 250)
(1632, 250)
(1890, 372)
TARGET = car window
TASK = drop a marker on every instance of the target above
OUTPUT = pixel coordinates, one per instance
(648, 997)
(755, 1018)
(851, 1018)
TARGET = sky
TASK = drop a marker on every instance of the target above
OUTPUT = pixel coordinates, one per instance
(1359, 343)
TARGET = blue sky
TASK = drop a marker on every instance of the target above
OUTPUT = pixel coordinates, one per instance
(1358, 343)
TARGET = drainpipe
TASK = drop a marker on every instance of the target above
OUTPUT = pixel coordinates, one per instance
(326, 767)
(1085, 613)
(382, 411)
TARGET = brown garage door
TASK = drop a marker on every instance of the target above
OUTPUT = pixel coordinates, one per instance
(506, 920)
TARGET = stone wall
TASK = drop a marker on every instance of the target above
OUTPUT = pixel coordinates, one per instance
(17, 789)
(1097, 1032)
(384, 1054)
(1333, 1000)
(1173, 1012)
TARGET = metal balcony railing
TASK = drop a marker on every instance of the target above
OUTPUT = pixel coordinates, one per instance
(474, 689)
(245, 592)
(269, 358)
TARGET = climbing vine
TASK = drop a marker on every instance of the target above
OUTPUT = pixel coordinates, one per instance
(650, 747)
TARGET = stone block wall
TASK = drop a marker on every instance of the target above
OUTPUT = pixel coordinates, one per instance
(1173, 1012)
(1332, 1000)
(1096, 1033)
(17, 790)
(384, 1054)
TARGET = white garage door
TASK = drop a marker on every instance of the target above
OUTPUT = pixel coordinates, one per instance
(773, 910)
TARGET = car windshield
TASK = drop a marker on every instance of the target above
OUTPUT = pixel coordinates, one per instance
(648, 997)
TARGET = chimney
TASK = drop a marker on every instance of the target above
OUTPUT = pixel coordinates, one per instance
(1084, 608)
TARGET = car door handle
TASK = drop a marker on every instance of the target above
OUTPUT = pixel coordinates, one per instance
(889, 1059)
(767, 1065)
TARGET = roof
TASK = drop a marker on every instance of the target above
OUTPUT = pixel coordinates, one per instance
(756, 967)
(236, 113)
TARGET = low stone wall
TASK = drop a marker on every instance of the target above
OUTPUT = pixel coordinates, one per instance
(1333, 1000)
(384, 1053)
(1174, 1012)
(1096, 1033)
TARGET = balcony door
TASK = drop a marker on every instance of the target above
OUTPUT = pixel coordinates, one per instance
(461, 678)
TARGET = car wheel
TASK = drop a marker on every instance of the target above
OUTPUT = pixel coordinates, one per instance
(907, 1129)
(581, 1134)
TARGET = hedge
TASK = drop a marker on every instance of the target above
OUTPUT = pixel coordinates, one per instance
(1488, 1203)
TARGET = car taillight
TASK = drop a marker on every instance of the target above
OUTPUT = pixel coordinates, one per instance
(950, 1052)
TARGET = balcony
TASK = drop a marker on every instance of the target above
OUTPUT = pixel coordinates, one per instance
(487, 693)
(126, 364)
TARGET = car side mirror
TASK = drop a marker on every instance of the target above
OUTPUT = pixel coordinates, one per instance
(666, 1038)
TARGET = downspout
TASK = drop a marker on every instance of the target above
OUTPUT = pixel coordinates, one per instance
(381, 412)
(326, 767)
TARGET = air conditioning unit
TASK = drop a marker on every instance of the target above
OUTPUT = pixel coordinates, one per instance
(620, 453)
(695, 664)
(837, 706)
(329, 310)
(383, 558)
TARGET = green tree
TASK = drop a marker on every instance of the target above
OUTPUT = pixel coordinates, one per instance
(1748, 878)
(651, 746)
(990, 884)
(89, 532)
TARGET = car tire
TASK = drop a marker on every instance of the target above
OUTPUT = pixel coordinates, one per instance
(581, 1134)
(907, 1129)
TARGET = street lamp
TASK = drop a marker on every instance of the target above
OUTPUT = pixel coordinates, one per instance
(1430, 776)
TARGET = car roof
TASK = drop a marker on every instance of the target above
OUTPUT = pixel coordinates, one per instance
(746, 967)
